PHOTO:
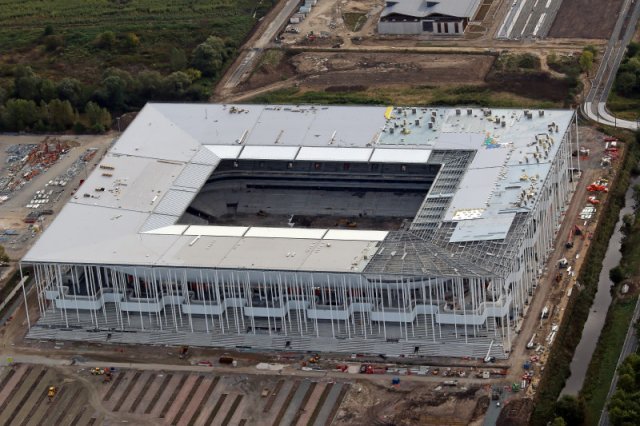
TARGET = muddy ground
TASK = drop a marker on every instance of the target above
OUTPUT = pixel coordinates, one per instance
(586, 19)
(406, 404)
(326, 69)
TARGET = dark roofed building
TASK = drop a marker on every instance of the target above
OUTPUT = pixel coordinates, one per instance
(427, 16)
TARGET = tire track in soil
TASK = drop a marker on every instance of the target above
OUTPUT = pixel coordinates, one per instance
(142, 393)
(186, 402)
(173, 397)
(216, 409)
(127, 391)
(26, 396)
(158, 394)
(196, 414)
(286, 403)
(232, 410)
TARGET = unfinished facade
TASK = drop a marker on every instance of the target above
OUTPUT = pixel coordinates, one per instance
(351, 229)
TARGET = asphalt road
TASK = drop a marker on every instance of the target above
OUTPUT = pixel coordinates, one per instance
(594, 106)
(529, 19)
(248, 59)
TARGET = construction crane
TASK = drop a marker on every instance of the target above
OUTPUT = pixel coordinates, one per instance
(489, 358)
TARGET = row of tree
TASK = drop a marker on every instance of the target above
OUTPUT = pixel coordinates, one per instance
(624, 408)
(56, 115)
(33, 103)
(628, 79)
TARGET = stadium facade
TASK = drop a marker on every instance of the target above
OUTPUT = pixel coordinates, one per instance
(351, 229)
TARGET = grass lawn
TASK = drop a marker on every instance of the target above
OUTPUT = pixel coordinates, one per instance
(603, 363)
(159, 25)
(422, 95)
(625, 108)
(354, 21)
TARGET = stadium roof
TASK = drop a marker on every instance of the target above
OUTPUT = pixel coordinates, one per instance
(127, 211)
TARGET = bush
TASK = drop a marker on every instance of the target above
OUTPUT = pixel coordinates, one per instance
(53, 42)
(106, 40)
(210, 56)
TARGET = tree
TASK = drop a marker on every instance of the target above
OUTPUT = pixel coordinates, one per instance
(616, 275)
(625, 83)
(177, 59)
(48, 30)
(71, 90)
(558, 421)
(586, 61)
(131, 41)
(61, 115)
(114, 89)
(99, 118)
(53, 42)
(106, 40)
(20, 114)
(571, 409)
(26, 83)
(209, 56)
(176, 84)
(149, 86)
(47, 90)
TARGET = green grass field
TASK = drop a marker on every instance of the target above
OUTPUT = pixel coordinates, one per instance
(159, 25)
(423, 95)
(604, 361)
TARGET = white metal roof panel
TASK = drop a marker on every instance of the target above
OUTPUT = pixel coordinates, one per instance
(400, 155)
(316, 153)
(169, 230)
(355, 235)
(194, 176)
(205, 156)
(216, 231)
(175, 202)
(494, 228)
(225, 152)
(158, 221)
(154, 134)
(475, 190)
(269, 153)
(264, 232)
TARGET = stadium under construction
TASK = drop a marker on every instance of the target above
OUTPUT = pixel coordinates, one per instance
(349, 229)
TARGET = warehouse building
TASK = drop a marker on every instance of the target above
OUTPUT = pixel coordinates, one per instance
(351, 229)
(442, 17)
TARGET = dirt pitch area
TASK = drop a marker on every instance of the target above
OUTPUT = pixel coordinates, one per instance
(149, 397)
(326, 69)
(589, 19)
(412, 404)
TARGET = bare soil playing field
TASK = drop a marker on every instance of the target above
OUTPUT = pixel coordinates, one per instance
(326, 69)
(408, 404)
(585, 19)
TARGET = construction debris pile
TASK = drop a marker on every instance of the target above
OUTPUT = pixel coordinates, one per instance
(45, 196)
(24, 162)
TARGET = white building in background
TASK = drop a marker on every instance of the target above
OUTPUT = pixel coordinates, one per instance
(440, 17)
(354, 229)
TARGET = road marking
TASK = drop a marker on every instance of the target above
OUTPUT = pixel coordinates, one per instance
(515, 18)
(539, 24)
(525, 24)
(548, 4)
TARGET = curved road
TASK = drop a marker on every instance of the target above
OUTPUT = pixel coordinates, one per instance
(594, 106)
